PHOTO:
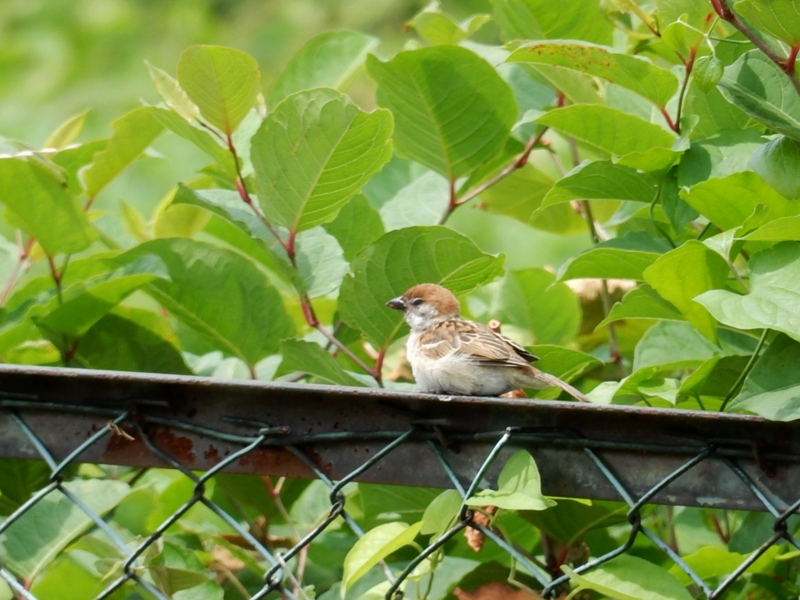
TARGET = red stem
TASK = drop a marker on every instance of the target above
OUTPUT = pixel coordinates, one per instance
(669, 120)
(791, 60)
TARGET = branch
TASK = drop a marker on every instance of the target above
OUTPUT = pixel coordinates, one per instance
(725, 13)
(746, 370)
(519, 162)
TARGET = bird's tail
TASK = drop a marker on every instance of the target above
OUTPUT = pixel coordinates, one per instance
(556, 382)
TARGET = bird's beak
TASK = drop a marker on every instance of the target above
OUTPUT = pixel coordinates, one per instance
(397, 303)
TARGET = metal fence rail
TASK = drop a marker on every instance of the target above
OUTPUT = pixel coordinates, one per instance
(339, 435)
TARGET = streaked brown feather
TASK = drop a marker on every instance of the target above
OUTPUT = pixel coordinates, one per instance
(473, 340)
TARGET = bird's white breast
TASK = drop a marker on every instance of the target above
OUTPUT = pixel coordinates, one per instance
(454, 373)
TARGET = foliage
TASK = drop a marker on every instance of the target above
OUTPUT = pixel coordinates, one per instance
(657, 147)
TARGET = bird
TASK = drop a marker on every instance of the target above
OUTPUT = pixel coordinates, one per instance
(453, 355)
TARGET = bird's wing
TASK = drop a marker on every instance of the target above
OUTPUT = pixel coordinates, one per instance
(474, 341)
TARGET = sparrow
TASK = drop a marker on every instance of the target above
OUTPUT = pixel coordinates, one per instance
(453, 355)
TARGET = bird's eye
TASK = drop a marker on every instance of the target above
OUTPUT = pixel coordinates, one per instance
(416, 302)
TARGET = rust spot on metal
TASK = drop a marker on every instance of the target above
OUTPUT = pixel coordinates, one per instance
(212, 454)
(177, 446)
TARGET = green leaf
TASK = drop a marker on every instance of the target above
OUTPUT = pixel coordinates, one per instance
(383, 503)
(222, 82)
(421, 202)
(630, 578)
(602, 180)
(625, 257)
(778, 163)
(773, 298)
(772, 388)
(219, 294)
(259, 242)
(684, 273)
(356, 226)
(642, 303)
(570, 520)
(778, 18)
(532, 300)
(564, 363)
(519, 194)
(712, 112)
(19, 479)
(440, 513)
(437, 28)
(715, 377)
(707, 72)
(452, 110)
(401, 259)
(311, 358)
(67, 132)
(782, 229)
(762, 90)
(86, 305)
(709, 562)
(320, 262)
(70, 577)
(30, 543)
(607, 129)
(121, 344)
(540, 19)
(172, 93)
(696, 14)
(673, 345)
(633, 73)
(683, 39)
(377, 544)
(40, 205)
(519, 487)
(314, 153)
(199, 137)
(729, 201)
(726, 153)
(327, 60)
(133, 133)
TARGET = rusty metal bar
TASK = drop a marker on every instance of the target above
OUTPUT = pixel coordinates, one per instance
(200, 421)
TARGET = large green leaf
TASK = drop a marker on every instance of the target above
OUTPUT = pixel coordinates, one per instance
(313, 153)
(602, 180)
(772, 388)
(778, 18)
(774, 294)
(728, 152)
(39, 204)
(607, 129)
(452, 110)
(533, 301)
(326, 60)
(221, 295)
(320, 262)
(222, 82)
(83, 306)
(712, 112)
(631, 578)
(356, 226)
(541, 19)
(778, 163)
(762, 90)
(729, 201)
(682, 274)
(376, 545)
(422, 202)
(625, 257)
(33, 541)
(19, 480)
(634, 73)
(437, 28)
(133, 133)
(401, 259)
(126, 341)
(642, 303)
(311, 358)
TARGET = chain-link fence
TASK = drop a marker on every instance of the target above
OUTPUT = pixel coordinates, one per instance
(342, 435)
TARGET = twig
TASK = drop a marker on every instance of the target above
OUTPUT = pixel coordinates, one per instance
(519, 162)
(725, 13)
(15, 271)
(56, 278)
(746, 370)
(688, 66)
